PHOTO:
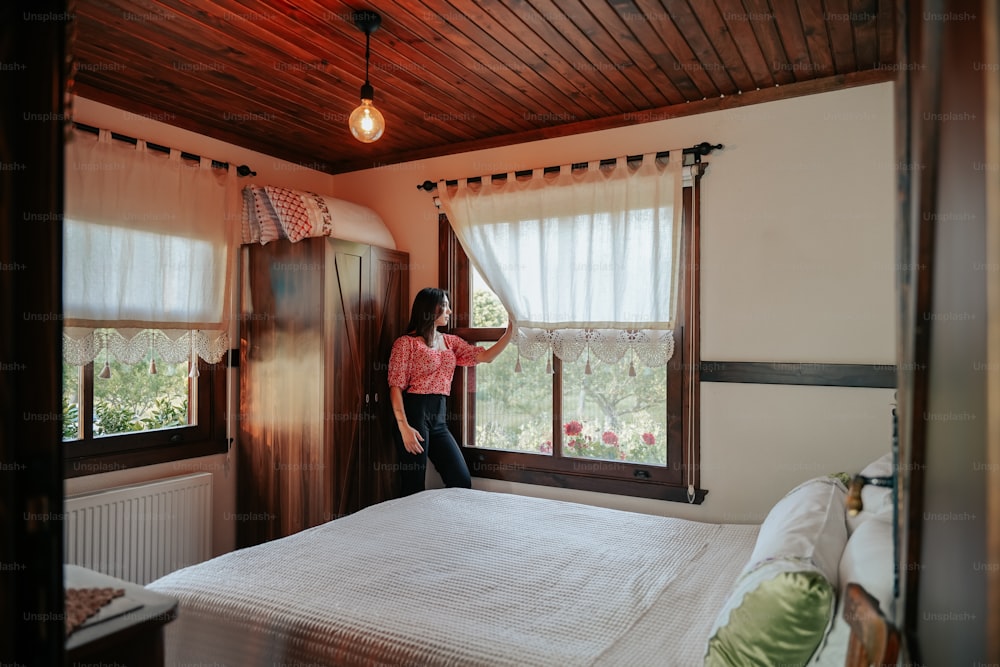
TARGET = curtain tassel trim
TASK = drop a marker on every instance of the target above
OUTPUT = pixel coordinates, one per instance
(193, 373)
(152, 355)
(106, 371)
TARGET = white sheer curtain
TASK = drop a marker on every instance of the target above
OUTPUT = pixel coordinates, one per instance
(584, 260)
(148, 247)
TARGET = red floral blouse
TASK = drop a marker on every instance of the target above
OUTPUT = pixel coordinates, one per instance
(418, 369)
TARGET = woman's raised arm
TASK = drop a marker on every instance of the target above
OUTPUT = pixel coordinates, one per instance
(493, 351)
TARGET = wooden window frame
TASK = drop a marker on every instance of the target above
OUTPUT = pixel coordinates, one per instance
(618, 477)
(88, 455)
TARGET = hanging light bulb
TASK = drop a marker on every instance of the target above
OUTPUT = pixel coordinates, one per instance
(366, 122)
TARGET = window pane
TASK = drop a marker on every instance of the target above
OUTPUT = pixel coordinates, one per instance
(609, 415)
(487, 311)
(513, 410)
(71, 402)
(134, 400)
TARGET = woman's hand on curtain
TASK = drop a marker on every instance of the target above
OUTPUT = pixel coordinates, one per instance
(493, 351)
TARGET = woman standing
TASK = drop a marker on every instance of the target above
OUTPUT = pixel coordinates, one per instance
(421, 367)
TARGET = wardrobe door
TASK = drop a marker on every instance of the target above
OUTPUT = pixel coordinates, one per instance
(283, 458)
(390, 292)
(348, 332)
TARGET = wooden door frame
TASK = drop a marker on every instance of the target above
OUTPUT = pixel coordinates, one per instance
(33, 45)
(924, 154)
(991, 39)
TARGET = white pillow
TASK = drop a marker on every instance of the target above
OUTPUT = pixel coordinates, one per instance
(867, 560)
(807, 524)
(875, 500)
(782, 604)
(353, 222)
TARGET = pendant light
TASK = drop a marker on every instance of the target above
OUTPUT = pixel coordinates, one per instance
(366, 122)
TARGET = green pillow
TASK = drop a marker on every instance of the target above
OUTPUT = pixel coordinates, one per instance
(779, 614)
(843, 477)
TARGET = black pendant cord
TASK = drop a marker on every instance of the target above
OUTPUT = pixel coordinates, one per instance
(368, 54)
(697, 152)
(368, 22)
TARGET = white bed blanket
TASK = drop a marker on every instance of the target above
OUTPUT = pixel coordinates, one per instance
(462, 577)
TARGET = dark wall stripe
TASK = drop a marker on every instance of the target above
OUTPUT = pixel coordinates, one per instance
(881, 376)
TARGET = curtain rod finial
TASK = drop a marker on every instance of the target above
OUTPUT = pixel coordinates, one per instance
(705, 148)
(427, 186)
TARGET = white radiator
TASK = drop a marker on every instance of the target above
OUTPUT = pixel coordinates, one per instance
(143, 531)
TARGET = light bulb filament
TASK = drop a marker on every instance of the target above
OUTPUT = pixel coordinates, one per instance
(366, 122)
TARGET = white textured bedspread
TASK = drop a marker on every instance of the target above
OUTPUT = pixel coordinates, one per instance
(462, 577)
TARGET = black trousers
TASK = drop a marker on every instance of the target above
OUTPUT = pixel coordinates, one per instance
(426, 413)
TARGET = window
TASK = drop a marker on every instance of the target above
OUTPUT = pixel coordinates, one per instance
(126, 398)
(146, 265)
(554, 422)
(136, 418)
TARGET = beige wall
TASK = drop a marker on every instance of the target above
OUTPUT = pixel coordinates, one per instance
(797, 267)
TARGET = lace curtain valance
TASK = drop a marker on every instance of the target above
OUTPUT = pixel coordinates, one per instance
(650, 347)
(132, 346)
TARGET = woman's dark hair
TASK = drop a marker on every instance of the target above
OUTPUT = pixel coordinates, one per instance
(427, 306)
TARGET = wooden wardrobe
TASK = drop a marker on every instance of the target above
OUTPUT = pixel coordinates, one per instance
(318, 319)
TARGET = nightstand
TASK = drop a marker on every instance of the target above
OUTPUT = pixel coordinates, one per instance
(127, 632)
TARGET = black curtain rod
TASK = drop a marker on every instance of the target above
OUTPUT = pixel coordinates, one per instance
(704, 148)
(242, 170)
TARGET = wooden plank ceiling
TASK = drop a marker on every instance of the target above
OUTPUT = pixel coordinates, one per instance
(282, 77)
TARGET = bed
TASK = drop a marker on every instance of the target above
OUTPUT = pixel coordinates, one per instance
(465, 577)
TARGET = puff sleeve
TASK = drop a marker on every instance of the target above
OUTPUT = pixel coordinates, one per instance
(399, 362)
(465, 354)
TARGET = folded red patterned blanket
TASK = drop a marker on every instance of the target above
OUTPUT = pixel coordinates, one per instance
(271, 213)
